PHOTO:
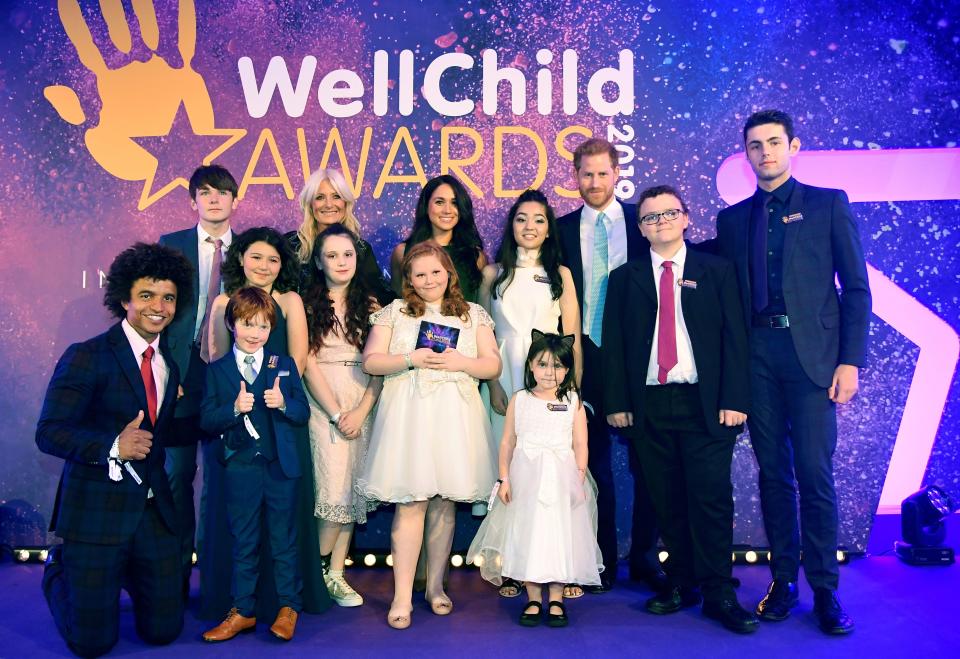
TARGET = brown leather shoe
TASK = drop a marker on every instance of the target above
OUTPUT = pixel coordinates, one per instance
(233, 625)
(285, 624)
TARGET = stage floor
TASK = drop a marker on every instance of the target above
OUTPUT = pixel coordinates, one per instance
(899, 611)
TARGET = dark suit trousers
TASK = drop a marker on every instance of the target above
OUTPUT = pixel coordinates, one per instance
(83, 588)
(252, 487)
(793, 427)
(599, 462)
(688, 473)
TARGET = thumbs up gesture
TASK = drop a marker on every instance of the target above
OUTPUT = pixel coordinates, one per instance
(274, 397)
(134, 442)
(244, 401)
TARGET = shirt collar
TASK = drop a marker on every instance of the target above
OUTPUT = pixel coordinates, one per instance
(781, 193)
(238, 355)
(678, 259)
(613, 211)
(202, 236)
(137, 342)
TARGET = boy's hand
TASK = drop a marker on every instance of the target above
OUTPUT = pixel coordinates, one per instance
(244, 401)
(274, 397)
(135, 443)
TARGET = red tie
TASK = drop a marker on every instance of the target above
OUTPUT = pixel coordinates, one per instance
(667, 338)
(213, 290)
(146, 372)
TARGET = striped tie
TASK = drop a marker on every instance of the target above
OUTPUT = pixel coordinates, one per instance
(598, 279)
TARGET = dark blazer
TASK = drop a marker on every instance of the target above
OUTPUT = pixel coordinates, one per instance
(568, 227)
(95, 391)
(180, 334)
(827, 328)
(714, 321)
(223, 385)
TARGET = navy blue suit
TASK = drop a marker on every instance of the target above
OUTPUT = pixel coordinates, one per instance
(181, 464)
(792, 423)
(644, 532)
(112, 533)
(261, 475)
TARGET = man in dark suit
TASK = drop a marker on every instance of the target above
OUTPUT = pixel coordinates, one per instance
(789, 243)
(253, 398)
(107, 413)
(675, 381)
(213, 196)
(597, 238)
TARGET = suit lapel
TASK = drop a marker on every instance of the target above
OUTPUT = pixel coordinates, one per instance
(128, 365)
(692, 271)
(643, 277)
(791, 230)
(171, 391)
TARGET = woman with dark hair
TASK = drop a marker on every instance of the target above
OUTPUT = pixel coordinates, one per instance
(526, 289)
(342, 398)
(430, 444)
(326, 199)
(445, 215)
(262, 258)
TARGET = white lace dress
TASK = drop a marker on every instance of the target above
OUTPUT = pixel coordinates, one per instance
(548, 532)
(431, 436)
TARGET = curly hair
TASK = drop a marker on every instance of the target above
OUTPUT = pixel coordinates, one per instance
(453, 303)
(307, 233)
(466, 245)
(321, 317)
(149, 261)
(549, 251)
(232, 268)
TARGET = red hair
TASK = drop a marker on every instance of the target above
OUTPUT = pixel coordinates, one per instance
(453, 303)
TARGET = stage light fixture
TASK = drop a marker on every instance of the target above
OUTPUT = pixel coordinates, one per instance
(370, 560)
(193, 558)
(42, 555)
(348, 561)
(456, 560)
(922, 520)
(389, 560)
(23, 555)
(663, 556)
(478, 560)
(750, 556)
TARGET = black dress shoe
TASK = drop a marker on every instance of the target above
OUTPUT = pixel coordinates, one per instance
(731, 615)
(655, 578)
(605, 586)
(780, 598)
(672, 600)
(831, 617)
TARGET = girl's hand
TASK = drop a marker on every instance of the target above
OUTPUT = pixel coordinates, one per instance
(420, 356)
(498, 397)
(350, 423)
(582, 475)
(448, 360)
(504, 492)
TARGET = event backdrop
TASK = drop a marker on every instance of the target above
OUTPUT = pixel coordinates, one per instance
(105, 110)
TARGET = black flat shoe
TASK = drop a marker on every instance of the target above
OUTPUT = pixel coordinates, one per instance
(531, 619)
(673, 600)
(780, 598)
(557, 619)
(831, 618)
(731, 615)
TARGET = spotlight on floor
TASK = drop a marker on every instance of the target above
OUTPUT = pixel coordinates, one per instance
(922, 519)
(750, 556)
(478, 560)
(370, 560)
(389, 560)
(456, 560)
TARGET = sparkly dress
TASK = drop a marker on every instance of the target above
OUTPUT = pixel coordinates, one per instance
(337, 460)
(431, 436)
(548, 531)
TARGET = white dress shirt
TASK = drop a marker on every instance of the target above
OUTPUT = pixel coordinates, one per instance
(616, 248)
(685, 370)
(204, 264)
(240, 355)
(159, 367)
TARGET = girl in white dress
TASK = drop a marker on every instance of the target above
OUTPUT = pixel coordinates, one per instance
(430, 443)
(543, 528)
(526, 289)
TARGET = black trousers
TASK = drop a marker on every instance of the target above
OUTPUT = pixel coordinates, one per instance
(688, 473)
(644, 534)
(82, 588)
(793, 427)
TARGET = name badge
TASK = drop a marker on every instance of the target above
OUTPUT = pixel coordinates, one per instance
(796, 217)
(687, 283)
(542, 279)
(283, 374)
(557, 407)
(248, 424)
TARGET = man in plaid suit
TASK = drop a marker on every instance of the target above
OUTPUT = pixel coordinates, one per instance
(106, 414)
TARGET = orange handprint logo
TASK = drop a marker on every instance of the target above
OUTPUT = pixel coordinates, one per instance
(138, 99)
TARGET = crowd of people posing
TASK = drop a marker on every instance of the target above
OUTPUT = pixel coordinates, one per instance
(319, 390)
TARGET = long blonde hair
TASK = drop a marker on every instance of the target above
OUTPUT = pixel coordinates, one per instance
(308, 228)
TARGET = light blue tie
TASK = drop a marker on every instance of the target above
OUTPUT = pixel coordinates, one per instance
(598, 279)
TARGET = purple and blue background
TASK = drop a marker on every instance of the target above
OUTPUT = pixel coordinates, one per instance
(861, 77)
